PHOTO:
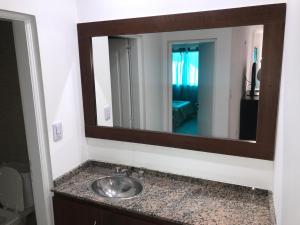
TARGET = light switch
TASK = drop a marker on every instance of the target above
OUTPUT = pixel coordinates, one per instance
(57, 131)
(107, 112)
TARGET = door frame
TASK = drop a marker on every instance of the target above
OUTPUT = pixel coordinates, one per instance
(168, 105)
(33, 104)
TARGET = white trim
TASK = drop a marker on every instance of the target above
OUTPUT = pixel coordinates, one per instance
(31, 87)
(169, 110)
(141, 82)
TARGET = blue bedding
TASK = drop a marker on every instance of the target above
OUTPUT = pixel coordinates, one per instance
(181, 110)
(179, 104)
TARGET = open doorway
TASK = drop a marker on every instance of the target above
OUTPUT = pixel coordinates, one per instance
(192, 93)
(25, 172)
(16, 196)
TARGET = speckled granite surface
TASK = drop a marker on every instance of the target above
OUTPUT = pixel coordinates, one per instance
(175, 198)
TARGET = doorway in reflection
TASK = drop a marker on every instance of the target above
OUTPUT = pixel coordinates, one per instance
(192, 74)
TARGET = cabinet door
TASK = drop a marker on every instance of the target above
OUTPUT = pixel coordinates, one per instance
(68, 212)
(110, 218)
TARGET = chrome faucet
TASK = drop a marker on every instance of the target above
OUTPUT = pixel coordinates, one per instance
(129, 172)
(124, 171)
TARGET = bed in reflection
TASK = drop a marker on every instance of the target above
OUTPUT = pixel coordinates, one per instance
(182, 111)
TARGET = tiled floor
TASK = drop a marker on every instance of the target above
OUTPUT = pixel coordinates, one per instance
(188, 127)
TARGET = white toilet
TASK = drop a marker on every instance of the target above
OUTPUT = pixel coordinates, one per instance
(15, 195)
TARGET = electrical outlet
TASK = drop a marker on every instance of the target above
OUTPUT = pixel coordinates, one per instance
(57, 131)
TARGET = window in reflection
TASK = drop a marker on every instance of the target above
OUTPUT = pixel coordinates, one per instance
(185, 73)
(185, 67)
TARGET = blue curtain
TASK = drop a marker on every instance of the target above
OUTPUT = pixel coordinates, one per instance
(185, 76)
(185, 68)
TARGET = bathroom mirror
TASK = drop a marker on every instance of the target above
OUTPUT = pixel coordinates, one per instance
(206, 81)
(184, 82)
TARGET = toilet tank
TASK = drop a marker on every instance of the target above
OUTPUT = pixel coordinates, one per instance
(24, 171)
(11, 189)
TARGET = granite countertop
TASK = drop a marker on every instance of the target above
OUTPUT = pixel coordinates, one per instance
(175, 198)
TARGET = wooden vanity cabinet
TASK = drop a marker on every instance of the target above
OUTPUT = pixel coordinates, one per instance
(71, 211)
(67, 212)
(118, 219)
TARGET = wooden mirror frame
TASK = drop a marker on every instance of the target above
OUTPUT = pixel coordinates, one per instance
(273, 19)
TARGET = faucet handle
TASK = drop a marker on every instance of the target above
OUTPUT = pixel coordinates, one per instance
(118, 169)
(125, 171)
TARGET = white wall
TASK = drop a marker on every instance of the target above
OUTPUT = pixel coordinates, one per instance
(96, 10)
(278, 162)
(245, 171)
(230, 169)
(57, 34)
(206, 70)
(287, 169)
(152, 72)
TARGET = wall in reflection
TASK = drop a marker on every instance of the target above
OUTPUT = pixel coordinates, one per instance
(187, 82)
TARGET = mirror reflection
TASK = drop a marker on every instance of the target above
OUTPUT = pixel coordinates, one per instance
(198, 82)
